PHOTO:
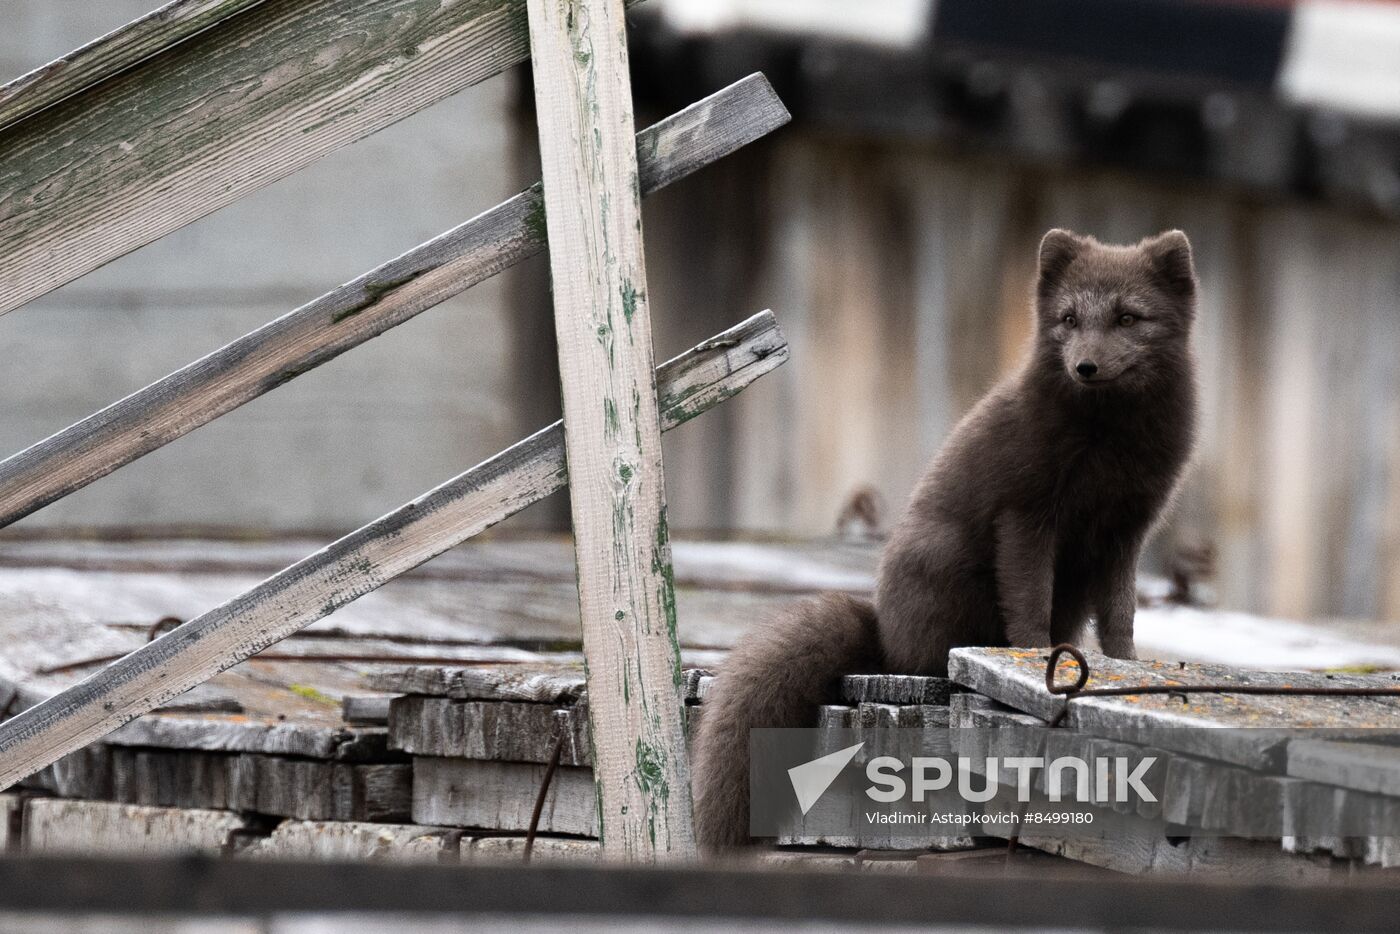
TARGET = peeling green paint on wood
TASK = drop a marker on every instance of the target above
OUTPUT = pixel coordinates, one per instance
(535, 219)
(622, 551)
(629, 301)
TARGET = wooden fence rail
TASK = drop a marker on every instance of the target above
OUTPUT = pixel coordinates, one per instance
(204, 121)
(360, 562)
(112, 54)
(359, 310)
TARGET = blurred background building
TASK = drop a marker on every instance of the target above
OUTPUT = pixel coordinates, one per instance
(892, 227)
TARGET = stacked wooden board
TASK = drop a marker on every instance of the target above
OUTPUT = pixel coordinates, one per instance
(1233, 762)
(419, 726)
(289, 753)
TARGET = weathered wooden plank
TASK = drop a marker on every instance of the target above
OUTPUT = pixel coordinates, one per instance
(358, 563)
(891, 860)
(112, 54)
(306, 789)
(543, 684)
(1017, 677)
(895, 689)
(423, 617)
(209, 781)
(963, 708)
(673, 899)
(11, 816)
(498, 730)
(56, 825)
(40, 637)
(349, 840)
(236, 107)
(835, 717)
(365, 710)
(83, 773)
(536, 683)
(310, 790)
(501, 796)
(800, 861)
(241, 734)
(546, 849)
(1373, 767)
(1201, 794)
(1152, 849)
(869, 723)
(357, 311)
(583, 102)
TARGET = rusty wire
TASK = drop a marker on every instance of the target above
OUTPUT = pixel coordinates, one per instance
(1078, 688)
(535, 815)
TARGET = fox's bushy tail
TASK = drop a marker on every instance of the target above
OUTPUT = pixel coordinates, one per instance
(776, 676)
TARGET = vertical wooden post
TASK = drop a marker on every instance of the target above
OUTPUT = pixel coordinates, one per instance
(584, 101)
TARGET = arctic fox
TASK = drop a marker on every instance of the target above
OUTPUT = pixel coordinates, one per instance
(1029, 521)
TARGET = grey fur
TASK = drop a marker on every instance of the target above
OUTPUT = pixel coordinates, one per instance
(1030, 519)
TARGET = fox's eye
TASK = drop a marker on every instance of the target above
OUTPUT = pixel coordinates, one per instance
(1069, 321)
(1126, 320)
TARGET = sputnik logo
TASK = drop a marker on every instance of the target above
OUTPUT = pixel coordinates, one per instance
(810, 780)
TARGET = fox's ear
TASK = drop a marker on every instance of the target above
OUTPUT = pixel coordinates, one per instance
(1169, 255)
(1058, 248)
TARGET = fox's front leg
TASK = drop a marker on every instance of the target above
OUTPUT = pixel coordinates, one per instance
(1025, 556)
(1115, 604)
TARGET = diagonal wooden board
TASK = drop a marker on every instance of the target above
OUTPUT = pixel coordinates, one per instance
(360, 562)
(108, 56)
(1243, 729)
(202, 122)
(360, 310)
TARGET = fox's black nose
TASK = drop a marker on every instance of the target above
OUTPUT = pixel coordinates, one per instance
(1087, 368)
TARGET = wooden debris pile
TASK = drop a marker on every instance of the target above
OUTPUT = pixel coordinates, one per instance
(1233, 761)
(289, 753)
(445, 762)
(420, 724)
